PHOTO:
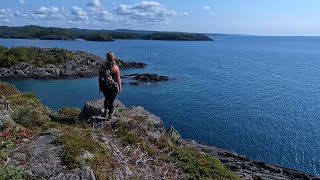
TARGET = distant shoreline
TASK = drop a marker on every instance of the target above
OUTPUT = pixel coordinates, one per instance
(54, 33)
(52, 63)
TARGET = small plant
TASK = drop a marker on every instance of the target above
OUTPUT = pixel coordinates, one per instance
(74, 144)
(132, 138)
(7, 89)
(28, 110)
(66, 115)
(11, 172)
(197, 165)
(140, 118)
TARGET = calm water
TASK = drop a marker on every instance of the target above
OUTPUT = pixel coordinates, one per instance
(259, 96)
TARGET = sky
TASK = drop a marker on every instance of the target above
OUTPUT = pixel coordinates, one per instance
(255, 17)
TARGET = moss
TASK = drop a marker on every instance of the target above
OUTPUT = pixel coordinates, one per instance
(149, 149)
(12, 172)
(7, 89)
(197, 165)
(66, 115)
(75, 143)
(4, 147)
(28, 110)
(123, 131)
(70, 112)
(140, 118)
(132, 138)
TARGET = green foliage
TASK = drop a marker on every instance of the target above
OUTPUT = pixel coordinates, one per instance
(34, 55)
(7, 89)
(12, 173)
(32, 32)
(66, 115)
(75, 143)
(197, 165)
(4, 147)
(123, 131)
(28, 110)
(132, 138)
(149, 149)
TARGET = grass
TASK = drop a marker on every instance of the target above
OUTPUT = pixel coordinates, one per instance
(7, 89)
(12, 173)
(66, 115)
(123, 131)
(197, 165)
(28, 111)
(75, 142)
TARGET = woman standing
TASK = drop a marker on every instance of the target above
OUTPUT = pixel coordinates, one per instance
(109, 83)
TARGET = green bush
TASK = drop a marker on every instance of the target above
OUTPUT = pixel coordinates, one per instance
(33, 55)
(12, 173)
(66, 115)
(28, 110)
(197, 165)
(7, 89)
(74, 144)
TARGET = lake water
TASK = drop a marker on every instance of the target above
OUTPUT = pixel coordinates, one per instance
(258, 96)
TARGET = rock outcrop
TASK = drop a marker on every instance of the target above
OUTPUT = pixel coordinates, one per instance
(145, 78)
(41, 159)
(246, 168)
(5, 111)
(137, 147)
(250, 169)
(82, 64)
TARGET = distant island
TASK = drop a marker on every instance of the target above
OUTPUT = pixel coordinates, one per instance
(54, 33)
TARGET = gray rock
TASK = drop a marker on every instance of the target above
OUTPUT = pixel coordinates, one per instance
(84, 173)
(94, 108)
(5, 111)
(173, 133)
(81, 64)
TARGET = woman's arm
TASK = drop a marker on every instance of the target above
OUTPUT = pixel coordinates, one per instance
(118, 77)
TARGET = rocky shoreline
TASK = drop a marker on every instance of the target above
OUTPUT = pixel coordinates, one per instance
(246, 168)
(137, 143)
(82, 64)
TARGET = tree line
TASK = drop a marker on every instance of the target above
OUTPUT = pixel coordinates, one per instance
(32, 55)
(53, 33)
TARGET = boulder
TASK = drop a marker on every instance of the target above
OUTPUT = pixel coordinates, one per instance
(95, 107)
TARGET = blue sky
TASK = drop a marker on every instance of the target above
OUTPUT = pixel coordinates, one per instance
(260, 17)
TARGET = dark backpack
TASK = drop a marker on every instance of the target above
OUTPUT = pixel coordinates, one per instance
(106, 82)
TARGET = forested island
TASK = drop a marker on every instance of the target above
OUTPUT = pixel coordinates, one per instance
(53, 33)
(52, 63)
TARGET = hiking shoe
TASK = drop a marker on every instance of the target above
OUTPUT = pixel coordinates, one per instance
(110, 116)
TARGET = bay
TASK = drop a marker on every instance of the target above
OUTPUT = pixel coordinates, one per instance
(258, 96)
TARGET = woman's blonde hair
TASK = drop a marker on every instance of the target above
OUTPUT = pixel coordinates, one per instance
(110, 56)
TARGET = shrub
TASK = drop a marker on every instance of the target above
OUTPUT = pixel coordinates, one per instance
(7, 89)
(74, 144)
(28, 110)
(66, 115)
(197, 165)
(11, 172)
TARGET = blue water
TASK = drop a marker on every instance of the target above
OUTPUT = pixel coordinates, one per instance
(259, 96)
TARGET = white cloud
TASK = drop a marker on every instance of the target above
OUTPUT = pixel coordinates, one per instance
(103, 15)
(46, 10)
(95, 3)
(5, 20)
(21, 1)
(5, 14)
(185, 14)
(78, 13)
(146, 11)
(49, 13)
(208, 9)
(20, 13)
